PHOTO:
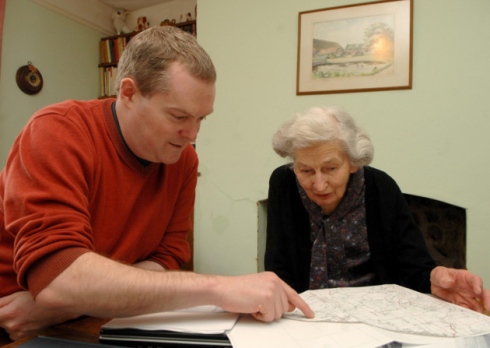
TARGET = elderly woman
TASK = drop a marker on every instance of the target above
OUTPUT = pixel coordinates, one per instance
(333, 221)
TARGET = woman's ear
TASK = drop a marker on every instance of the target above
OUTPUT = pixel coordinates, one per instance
(354, 169)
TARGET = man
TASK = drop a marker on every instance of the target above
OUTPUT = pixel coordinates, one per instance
(96, 198)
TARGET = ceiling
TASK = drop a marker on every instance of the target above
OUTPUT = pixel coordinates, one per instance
(96, 14)
(132, 5)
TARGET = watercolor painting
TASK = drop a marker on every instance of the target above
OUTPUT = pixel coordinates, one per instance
(355, 48)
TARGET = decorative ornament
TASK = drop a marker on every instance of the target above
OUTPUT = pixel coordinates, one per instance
(119, 21)
(142, 23)
(168, 22)
(29, 79)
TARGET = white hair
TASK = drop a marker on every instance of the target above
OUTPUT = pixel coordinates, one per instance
(320, 125)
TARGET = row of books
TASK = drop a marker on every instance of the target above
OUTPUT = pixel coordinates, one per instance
(112, 48)
(190, 28)
(107, 80)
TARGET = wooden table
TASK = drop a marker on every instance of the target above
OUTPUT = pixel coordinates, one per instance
(84, 329)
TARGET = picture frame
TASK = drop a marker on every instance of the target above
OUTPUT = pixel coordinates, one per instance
(355, 48)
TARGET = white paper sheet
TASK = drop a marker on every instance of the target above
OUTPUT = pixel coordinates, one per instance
(285, 333)
(203, 319)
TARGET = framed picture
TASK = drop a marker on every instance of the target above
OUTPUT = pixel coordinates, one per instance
(355, 48)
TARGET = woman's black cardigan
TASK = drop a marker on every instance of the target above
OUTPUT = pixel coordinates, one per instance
(397, 247)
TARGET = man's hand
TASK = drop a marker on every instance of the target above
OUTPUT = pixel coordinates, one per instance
(460, 287)
(264, 295)
(21, 317)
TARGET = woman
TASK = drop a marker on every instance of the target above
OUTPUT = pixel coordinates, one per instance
(333, 221)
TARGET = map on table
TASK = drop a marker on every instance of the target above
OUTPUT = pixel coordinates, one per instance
(395, 308)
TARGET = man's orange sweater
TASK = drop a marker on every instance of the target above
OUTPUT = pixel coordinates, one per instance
(71, 186)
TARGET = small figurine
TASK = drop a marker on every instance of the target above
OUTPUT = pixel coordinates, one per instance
(168, 22)
(189, 16)
(119, 21)
(142, 24)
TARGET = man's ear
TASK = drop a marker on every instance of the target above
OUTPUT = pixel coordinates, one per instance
(127, 90)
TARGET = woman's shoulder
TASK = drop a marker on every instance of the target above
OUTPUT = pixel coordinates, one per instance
(376, 174)
(381, 180)
(282, 176)
(284, 171)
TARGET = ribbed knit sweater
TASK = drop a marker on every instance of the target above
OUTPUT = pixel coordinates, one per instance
(71, 185)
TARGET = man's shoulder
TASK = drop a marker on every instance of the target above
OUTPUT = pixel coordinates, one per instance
(73, 114)
(64, 107)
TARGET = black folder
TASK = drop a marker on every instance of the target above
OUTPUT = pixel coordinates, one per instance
(161, 338)
(53, 342)
(203, 326)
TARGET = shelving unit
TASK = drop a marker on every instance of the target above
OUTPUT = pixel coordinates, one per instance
(111, 48)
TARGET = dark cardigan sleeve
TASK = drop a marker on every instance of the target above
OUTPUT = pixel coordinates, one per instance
(288, 246)
(397, 245)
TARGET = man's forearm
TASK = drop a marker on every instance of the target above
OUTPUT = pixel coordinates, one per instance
(150, 266)
(97, 286)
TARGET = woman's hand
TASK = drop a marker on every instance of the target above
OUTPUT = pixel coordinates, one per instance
(460, 287)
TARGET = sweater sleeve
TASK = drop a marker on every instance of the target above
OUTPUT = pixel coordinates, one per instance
(288, 246)
(46, 199)
(397, 245)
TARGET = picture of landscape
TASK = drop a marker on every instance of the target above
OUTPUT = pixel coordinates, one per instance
(354, 47)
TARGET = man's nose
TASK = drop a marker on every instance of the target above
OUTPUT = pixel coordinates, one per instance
(190, 131)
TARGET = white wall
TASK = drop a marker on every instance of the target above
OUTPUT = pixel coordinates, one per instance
(432, 139)
(64, 51)
(92, 13)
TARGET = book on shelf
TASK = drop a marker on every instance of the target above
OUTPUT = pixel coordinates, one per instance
(111, 48)
(107, 78)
